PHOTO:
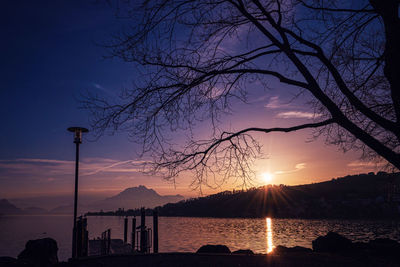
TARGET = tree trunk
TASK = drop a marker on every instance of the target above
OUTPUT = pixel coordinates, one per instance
(389, 11)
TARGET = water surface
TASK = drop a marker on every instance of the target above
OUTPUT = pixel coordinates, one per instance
(182, 234)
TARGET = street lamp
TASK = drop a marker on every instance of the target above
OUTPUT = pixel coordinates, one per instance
(77, 140)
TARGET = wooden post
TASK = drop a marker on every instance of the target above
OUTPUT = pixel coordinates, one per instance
(133, 233)
(155, 231)
(142, 230)
(85, 245)
(126, 230)
(108, 241)
(79, 239)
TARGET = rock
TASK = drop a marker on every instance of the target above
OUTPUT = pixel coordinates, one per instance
(9, 262)
(332, 242)
(360, 246)
(283, 249)
(40, 252)
(385, 246)
(214, 249)
(243, 251)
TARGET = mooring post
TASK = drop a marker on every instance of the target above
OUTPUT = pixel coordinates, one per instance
(142, 230)
(85, 246)
(78, 240)
(133, 233)
(126, 230)
(108, 241)
(155, 231)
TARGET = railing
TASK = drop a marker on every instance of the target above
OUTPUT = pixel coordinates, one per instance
(105, 246)
(144, 240)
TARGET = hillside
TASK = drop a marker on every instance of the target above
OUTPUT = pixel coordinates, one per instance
(7, 208)
(358, 196)
(130, 198)
(134, 197)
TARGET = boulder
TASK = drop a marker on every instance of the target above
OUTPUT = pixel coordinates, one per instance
(40, 252)
(214, 249)
(4, 260)
(244, 252)
(332, 242)
(385, 246)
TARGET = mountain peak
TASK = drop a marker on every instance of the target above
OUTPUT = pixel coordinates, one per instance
(140, 190)
(135, 197)
(7, 208)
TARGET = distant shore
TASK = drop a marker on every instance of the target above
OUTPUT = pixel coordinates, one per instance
(363, 196)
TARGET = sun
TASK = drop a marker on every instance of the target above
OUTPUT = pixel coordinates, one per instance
(267, 177)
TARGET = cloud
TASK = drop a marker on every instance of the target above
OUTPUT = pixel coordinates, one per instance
(101, 88)
(130, 166)
(50, 161)
(357, 164)
(297, 168)
(274, 103)
(297, 115)
(53, 167)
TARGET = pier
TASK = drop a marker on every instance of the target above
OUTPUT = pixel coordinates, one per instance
(143, 239)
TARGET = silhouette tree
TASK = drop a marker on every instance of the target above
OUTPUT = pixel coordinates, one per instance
(342, 56)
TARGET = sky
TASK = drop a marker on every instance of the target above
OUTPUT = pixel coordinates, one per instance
(52, 54)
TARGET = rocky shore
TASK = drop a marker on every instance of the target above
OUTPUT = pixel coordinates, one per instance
(329, 250)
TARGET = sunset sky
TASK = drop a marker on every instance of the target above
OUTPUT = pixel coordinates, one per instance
(52, 53)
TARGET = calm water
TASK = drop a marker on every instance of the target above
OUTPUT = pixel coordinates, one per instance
(188, 234)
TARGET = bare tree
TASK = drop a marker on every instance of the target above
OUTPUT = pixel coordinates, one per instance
(343, 56)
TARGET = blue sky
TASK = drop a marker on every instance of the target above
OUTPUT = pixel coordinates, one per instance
(50, 56)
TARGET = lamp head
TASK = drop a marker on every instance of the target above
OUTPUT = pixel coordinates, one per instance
(78, 133)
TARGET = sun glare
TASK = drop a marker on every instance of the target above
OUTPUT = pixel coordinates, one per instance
(267, 177)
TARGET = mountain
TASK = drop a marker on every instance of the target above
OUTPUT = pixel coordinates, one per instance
(134, 197)
(363, 196)
(130, 198)
(34, 211)
(7, 208)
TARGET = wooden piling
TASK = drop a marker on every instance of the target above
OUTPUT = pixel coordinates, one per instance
(155, 231)
(143, 242)
(126, 230)
(108, 241)
(133, 239)
(85, 245)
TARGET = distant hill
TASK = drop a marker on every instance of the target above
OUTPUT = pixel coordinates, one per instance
(357, 196)
(134, 197)
(34, 210)
(7, 208)
(130, 198)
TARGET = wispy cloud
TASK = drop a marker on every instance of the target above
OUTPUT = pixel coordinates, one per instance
(130, 166)
(358, 164)
(297, 115)
(297, 168)
(50, 161)
(102, 88)
(275, 103)
(90, 166)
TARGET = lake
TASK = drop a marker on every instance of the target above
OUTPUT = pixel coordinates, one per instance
(183, 234)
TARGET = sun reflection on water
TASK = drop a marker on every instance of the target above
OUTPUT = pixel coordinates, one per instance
(270, 245)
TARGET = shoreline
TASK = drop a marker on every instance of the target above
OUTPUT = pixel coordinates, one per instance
(196, 259)
(329, 250)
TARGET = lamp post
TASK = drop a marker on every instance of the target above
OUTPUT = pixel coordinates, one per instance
(77, 140)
